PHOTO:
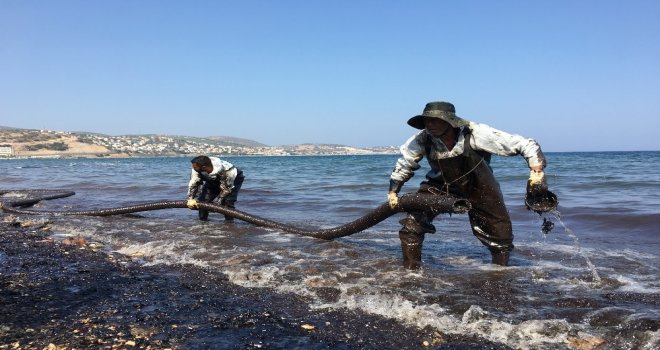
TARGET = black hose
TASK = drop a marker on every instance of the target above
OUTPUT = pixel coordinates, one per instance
(407, 203)
(28, 198)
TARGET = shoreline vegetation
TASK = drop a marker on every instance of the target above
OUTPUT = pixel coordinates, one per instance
(29, 143)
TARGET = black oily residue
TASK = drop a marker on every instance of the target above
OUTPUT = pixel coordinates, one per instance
(547, 226)
(106, 301)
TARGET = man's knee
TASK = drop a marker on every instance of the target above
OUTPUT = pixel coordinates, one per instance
(229, 203)
(416, 225)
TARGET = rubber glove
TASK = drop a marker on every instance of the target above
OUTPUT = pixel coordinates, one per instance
(537, 184)
(192, 204)
(392, 199)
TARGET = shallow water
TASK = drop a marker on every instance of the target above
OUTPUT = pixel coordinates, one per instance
(594, 276)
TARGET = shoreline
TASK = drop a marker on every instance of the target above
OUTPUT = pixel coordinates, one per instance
(61, 294)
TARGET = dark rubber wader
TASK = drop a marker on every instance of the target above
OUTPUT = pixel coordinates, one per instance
(211, 189)
(469, 176)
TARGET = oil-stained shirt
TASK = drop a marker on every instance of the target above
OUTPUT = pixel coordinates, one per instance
(223, 172)
(484, 138)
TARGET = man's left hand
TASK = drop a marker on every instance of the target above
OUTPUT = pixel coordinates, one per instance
(537, 183)
(538, 197)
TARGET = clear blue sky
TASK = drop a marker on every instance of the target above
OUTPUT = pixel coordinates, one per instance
(575, 75)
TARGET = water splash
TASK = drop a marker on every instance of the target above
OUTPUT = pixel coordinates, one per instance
(571, 234)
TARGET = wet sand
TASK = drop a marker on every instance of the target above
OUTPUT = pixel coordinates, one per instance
(64, 294)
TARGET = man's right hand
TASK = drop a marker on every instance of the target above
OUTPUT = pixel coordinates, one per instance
(192, 204)
(392, 199)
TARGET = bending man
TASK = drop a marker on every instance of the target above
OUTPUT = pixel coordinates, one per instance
(459, 153)
(219, 180)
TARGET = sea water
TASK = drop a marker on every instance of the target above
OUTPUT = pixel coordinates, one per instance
(593, 278)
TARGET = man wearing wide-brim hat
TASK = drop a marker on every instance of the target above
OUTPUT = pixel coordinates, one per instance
(459, 153)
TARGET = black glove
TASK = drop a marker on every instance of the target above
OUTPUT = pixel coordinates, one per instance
(395, 186)
(537, 184)
(538, 197)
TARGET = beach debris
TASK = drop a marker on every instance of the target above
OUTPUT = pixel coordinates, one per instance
(585, 343)
(41, 224)
(118, 246)
(437, 339)
(95, 245)
(142, 333)
(308, 327)
(79, 241)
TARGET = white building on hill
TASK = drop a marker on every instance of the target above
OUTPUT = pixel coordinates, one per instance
(6, 151)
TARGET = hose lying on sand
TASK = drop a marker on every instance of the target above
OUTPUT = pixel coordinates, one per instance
(408, 202)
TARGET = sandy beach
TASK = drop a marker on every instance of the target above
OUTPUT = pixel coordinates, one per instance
(69, 293)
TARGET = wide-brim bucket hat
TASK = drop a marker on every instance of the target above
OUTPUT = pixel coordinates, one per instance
(441, 110)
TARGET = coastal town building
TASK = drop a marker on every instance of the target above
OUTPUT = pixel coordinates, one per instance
(6, 151)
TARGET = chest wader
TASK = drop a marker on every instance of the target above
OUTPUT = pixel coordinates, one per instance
(469, 176)
(212, 188)
(230, 200)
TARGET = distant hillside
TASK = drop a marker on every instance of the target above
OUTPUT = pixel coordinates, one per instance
(48, 143)
(29, 143)
(237, 141)
(216, 140)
